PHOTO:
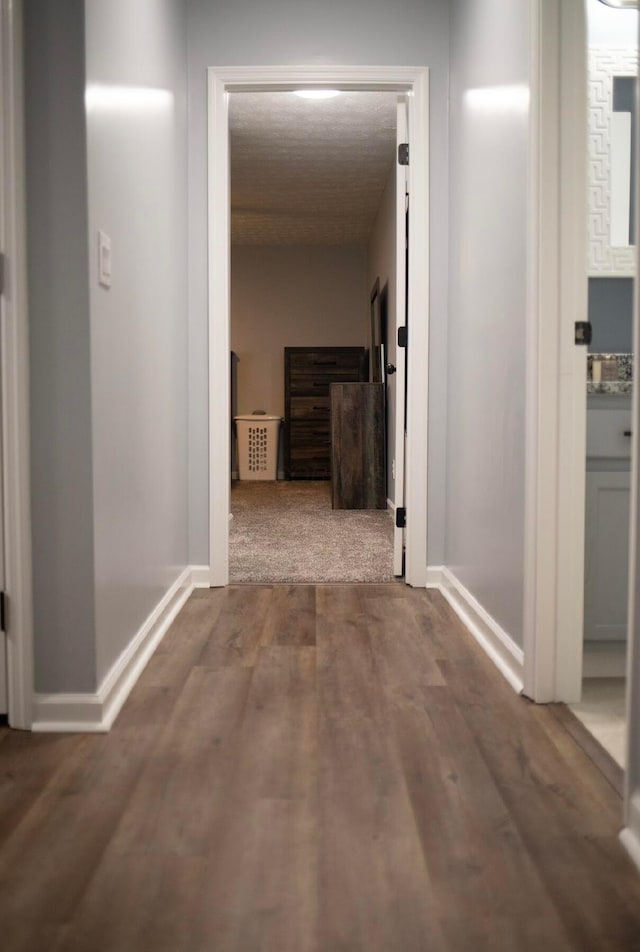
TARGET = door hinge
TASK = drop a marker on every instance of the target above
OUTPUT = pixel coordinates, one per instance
(403, 153)
(583, 332)
(402, 336)
(2, 266)
(401, 517)
(3, 612)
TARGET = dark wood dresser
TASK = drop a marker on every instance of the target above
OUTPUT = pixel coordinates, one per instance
(308, 373)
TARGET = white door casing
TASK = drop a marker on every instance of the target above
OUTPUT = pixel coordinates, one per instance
(15, 375)
(4, 693)
(402, 135)
(556, 367)
(222, 81)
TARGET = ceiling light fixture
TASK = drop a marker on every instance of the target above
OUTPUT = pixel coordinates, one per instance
(316, 93)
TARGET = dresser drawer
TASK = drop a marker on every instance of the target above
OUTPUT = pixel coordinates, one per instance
(309, 408)
(309, 384)
(319, 362)
(309, 433)
(310, 462)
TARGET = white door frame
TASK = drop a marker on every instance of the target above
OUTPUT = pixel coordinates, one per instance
(399, 449)
(556, 367)
(221, 82)
(15, 376)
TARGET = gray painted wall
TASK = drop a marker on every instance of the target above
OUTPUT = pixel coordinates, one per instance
(108, 368)
(137, 158)
(489, 139)
(287, 32)
(61, 464)
(611, 314)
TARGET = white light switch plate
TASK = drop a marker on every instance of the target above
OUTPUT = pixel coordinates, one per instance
(104, 260)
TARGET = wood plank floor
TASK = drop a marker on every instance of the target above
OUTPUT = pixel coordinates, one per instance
(314, 769)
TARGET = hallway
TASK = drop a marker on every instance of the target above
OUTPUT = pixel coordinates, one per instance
(314, 768)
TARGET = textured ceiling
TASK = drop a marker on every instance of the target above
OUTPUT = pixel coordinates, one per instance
(308, 172)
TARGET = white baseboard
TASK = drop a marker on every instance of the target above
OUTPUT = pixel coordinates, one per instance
(434, 576)
(391, 505)
(95, 713)
(503, 651)
(200, 576)
(603, 659)
(630, 835)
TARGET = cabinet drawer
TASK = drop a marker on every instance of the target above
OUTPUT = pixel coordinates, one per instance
(309, 408)
(606, 433)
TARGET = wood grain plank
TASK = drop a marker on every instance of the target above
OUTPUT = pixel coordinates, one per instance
(574, 730)
(28, 764)
(291, 616)
(260, 889)
(175, 804)
(136, 905)
(237, 635)
(404, 653)
(472, 847)
(374, 893)
(449, 638)
(276, 752)
(560, 818)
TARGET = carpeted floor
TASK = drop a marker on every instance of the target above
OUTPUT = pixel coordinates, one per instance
(286, 531)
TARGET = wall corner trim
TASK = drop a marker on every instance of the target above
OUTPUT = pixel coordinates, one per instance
(631, 842)
(96, 712)
(630, 834)
(434, 576)
(507, 656)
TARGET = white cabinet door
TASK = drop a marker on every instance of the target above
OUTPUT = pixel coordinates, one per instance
(607, 555)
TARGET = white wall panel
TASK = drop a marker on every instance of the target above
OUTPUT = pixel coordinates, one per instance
(60, 395)
(489, 146)
(136, 136)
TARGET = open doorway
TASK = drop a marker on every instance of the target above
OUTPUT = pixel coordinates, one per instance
(414, 83)
(313, 196)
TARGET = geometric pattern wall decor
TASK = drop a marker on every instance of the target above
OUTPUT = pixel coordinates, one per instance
(604, 64)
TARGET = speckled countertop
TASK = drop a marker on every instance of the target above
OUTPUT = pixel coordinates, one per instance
(616, 373)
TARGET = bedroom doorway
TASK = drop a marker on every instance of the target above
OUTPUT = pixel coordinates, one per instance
(222, 84)
(313, 185)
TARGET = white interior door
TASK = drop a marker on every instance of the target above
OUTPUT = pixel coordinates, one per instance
(3, 318)
(402, 250)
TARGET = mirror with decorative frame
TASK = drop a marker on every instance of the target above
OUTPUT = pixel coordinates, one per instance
(612, 186)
